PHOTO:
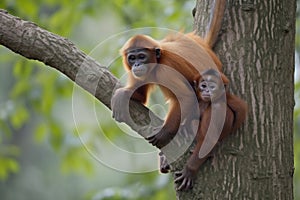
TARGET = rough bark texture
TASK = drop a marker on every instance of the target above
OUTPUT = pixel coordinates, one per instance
(256, 47)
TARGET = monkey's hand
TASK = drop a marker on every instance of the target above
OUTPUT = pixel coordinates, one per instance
(184, 179)
(120, 104)
(166, 133)
(162, 138)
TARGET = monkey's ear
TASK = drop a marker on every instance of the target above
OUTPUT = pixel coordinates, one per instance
(195, 84)
(157, 52)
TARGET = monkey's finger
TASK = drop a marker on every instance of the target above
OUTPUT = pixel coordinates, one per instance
(160, 144)
(179, 177)
(149, 138)
(178, 173)
(183, 185)
(189, 184)
(153, 140)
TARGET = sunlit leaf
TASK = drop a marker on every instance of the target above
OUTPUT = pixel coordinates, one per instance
(20, 88)
(76, 160)
(30, 7)
(40, 132)
(20, 117)
(5, 129)
(56, 136)
(17, 71)
(8, 166)
(12, 165)
(23, 68)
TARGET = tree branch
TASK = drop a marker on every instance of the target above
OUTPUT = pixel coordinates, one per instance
(33, 42)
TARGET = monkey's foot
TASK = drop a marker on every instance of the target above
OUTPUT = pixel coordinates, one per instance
(184, 179)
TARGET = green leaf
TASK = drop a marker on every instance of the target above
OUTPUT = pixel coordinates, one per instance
(20, 117)
(56, 136)
(76, 160)
(12, 165)
(20, 88)
(29, 7)
(23, 68)
(40, 132)
(17, 69)
(8, 165)
(4, 129)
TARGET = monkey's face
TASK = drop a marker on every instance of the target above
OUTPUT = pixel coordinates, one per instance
(210, 88)
(141, 62)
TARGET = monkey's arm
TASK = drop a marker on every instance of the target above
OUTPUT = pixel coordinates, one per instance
(120, 103)
(170, 127)
(120, 100)
(239, 108)
(186, 176)
(183, 108)
(141, 94)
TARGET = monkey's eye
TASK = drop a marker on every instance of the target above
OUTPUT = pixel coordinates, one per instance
(142, 56)
(212, 87)
(203, 85)
(131, 58)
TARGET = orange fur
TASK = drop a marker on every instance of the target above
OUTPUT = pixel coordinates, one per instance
(235, 114)
(183, 58)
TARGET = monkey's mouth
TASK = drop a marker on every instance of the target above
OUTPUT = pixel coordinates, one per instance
(206, 97)
(138, 72)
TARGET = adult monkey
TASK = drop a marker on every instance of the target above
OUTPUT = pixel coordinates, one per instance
(149, 61)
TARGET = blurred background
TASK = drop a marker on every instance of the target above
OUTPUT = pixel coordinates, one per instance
(56, 141)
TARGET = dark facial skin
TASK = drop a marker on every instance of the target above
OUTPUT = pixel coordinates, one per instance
(139, 60)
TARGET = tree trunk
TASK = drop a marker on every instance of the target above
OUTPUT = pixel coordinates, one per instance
(256, 48)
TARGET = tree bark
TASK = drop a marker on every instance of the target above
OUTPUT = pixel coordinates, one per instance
(256, 48)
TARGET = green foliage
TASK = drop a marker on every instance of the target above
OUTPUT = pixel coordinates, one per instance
(155, 13)
(41, 130)
(8, 162)
(19, 117)
(8, 165)
(32, 90)
(151, 188)
(77, 160)
(30, 93)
